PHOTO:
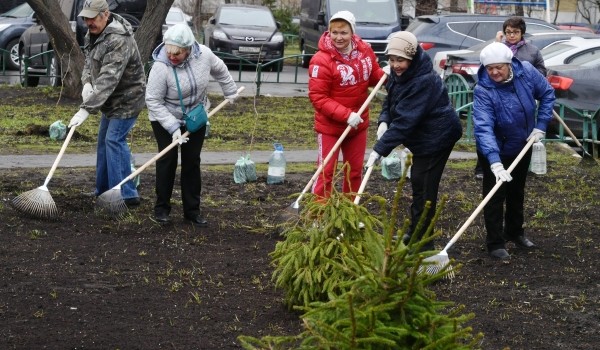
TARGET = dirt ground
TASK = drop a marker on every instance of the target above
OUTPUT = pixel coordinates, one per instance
(89, 282)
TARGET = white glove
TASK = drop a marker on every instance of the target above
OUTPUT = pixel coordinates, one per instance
(387, 69)
(500, 173)
(88, 89)
(79, 117)
(354, 119)
(373, 157)
(232, 98)
(177, 137)
(381, 129)
(536, 134)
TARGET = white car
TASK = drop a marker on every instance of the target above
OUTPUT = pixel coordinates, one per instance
(575, 51)
(440, 58)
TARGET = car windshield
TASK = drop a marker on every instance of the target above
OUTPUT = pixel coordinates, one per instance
(556, 49)
(175, 17)
(246, 17)
(368, 11)
(23, 10)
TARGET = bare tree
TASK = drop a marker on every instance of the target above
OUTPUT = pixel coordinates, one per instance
(64, 43)
(150, 29)
(587, 8)
(66, 48)
(426, 7)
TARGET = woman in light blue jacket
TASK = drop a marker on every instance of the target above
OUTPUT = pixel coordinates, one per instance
(194, 64)
(504, 115)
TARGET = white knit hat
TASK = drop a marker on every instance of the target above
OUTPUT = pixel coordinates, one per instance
(403, 44)
(346, 16)
(179, 35)
(495, 53)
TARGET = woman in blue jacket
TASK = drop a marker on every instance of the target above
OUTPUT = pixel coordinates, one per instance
(504, 115)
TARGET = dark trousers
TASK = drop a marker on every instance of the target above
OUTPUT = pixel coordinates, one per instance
(166, 168)
(503, 214)
(426, 173)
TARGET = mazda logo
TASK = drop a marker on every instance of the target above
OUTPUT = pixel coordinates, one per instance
(249, 38)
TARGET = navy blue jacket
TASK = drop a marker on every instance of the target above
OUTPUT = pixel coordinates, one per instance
(418, 111)
(504, 114)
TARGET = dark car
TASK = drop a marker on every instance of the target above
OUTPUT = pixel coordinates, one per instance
(35, 39)
(576, 87)
(246, 31)
(460, 31)
(12, 24)
(467, 64)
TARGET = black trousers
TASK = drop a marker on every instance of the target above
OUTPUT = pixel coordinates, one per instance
(166, 168)
(503, 214)
(426, 173)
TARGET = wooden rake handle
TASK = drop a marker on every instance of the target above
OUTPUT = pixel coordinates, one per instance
(173, 144)
(489, 196)
(341, 139)
(60, 154)
(562, 122)
(363, 184)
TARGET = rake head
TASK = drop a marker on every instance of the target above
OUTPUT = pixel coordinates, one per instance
(437, 263)
(111, 204)
(37, 203)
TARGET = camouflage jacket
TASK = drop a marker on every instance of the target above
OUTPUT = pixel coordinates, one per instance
(114, 68)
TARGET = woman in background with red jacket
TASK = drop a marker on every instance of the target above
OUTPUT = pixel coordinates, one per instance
(339, 76)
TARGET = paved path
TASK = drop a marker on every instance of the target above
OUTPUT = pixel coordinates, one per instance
(208, 158)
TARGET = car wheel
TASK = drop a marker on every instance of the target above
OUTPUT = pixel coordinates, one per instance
(30, 81)
(305, 59)
(13, 52)
(55, 79)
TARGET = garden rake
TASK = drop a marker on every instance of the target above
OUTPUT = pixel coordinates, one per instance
(295, 206)
(38, 202)
(586, 157)
(436, 263)
(111, 202)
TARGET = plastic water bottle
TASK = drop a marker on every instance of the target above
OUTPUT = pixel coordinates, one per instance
(207, 132)
(276, 172)
(136, 179)
(538, 159)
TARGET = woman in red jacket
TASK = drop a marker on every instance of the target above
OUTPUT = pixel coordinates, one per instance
(339, 76)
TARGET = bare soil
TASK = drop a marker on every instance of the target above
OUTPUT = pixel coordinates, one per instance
(89, 282)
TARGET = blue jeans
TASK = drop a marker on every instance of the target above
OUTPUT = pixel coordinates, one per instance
(113, 157)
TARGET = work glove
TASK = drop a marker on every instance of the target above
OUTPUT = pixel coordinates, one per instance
(537, 135)
(79, 117)
(232, 98)
(177, 137)
(354, 119)
(500, 173)
(88, 89)
(387, 69)
(381, 129)
(373, 157)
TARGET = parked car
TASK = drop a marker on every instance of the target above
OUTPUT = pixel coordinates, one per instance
(247, 31)
(576, 86)
(375, 21)
(35, 39)
(175, 16)
(576, 27)
(467, 64)
(12, 24)
(460, 31)
(574, 51)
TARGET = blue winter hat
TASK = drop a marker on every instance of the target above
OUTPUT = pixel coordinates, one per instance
(179, 35)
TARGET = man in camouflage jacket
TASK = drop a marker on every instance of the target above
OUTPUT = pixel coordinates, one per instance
(114, 84)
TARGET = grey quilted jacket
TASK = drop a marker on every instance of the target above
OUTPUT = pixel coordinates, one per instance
(162, 98)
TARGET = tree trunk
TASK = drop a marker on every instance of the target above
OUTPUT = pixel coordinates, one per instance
(149, 33)
(426, 7)
(64, 43)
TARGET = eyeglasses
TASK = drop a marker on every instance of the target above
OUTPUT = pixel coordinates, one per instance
(516, 32)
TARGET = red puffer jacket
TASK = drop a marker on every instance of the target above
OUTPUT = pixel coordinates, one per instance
(338, 85)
